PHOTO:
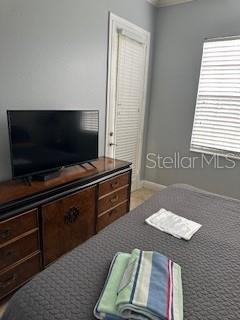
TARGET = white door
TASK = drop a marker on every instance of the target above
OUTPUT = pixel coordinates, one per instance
(128, 62)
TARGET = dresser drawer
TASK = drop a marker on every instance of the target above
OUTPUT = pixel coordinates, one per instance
(113, 184)
(112, 200)
(19, 249)
(111, 215)
(16, 276)
(16, 226)
(67, 223)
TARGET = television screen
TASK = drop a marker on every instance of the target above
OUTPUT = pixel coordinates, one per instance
(42, 141)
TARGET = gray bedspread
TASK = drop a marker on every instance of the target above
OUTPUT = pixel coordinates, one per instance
(210, 262)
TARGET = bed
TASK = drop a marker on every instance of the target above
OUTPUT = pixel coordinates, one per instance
(69, 288)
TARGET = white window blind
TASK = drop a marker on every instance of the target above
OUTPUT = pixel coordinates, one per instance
(130, 90)
(216, 128)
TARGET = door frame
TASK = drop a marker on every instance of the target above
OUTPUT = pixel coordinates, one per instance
(116, 23)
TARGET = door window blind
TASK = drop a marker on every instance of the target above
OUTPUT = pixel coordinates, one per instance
(216, 128)
(129, 100)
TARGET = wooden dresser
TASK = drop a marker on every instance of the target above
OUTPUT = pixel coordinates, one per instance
(42, 221)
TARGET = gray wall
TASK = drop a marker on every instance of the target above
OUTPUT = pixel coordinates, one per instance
(180, 33)
(53, 54)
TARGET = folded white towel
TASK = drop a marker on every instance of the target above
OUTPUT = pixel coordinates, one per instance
(173, 224)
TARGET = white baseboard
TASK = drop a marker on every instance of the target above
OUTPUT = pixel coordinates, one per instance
(152, 185)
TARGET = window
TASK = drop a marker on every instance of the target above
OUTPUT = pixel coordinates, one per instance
(216, 128)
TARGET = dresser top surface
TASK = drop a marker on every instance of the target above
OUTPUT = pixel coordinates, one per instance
(13, 190)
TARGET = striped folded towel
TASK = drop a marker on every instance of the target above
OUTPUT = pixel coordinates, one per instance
(142, 285)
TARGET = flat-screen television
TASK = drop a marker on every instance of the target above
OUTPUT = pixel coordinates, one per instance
(45, 141)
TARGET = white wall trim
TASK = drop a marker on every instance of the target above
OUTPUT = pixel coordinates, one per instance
(152, 185)
(154, 2)
(165, 3)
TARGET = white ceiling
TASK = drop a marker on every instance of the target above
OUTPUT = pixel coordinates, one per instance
(165, 3)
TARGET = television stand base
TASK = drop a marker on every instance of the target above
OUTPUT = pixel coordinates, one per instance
(28, 181)
(92, 165)
(83, 165)
(47, 176)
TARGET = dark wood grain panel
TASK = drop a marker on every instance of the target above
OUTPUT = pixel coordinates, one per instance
(14, 251)
(113, 184)
(16, 226)
(18, 274)
(111, 215)
(113, 199)
(67, 223)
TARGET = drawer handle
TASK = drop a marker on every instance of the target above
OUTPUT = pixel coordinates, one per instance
(115, 199)
(115, 184)
(9, 281)
(113, 211)
(7, 254)
(72, 215)
(5, 234)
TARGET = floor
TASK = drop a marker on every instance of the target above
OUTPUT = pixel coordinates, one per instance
(2, 308)
(137, 198)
